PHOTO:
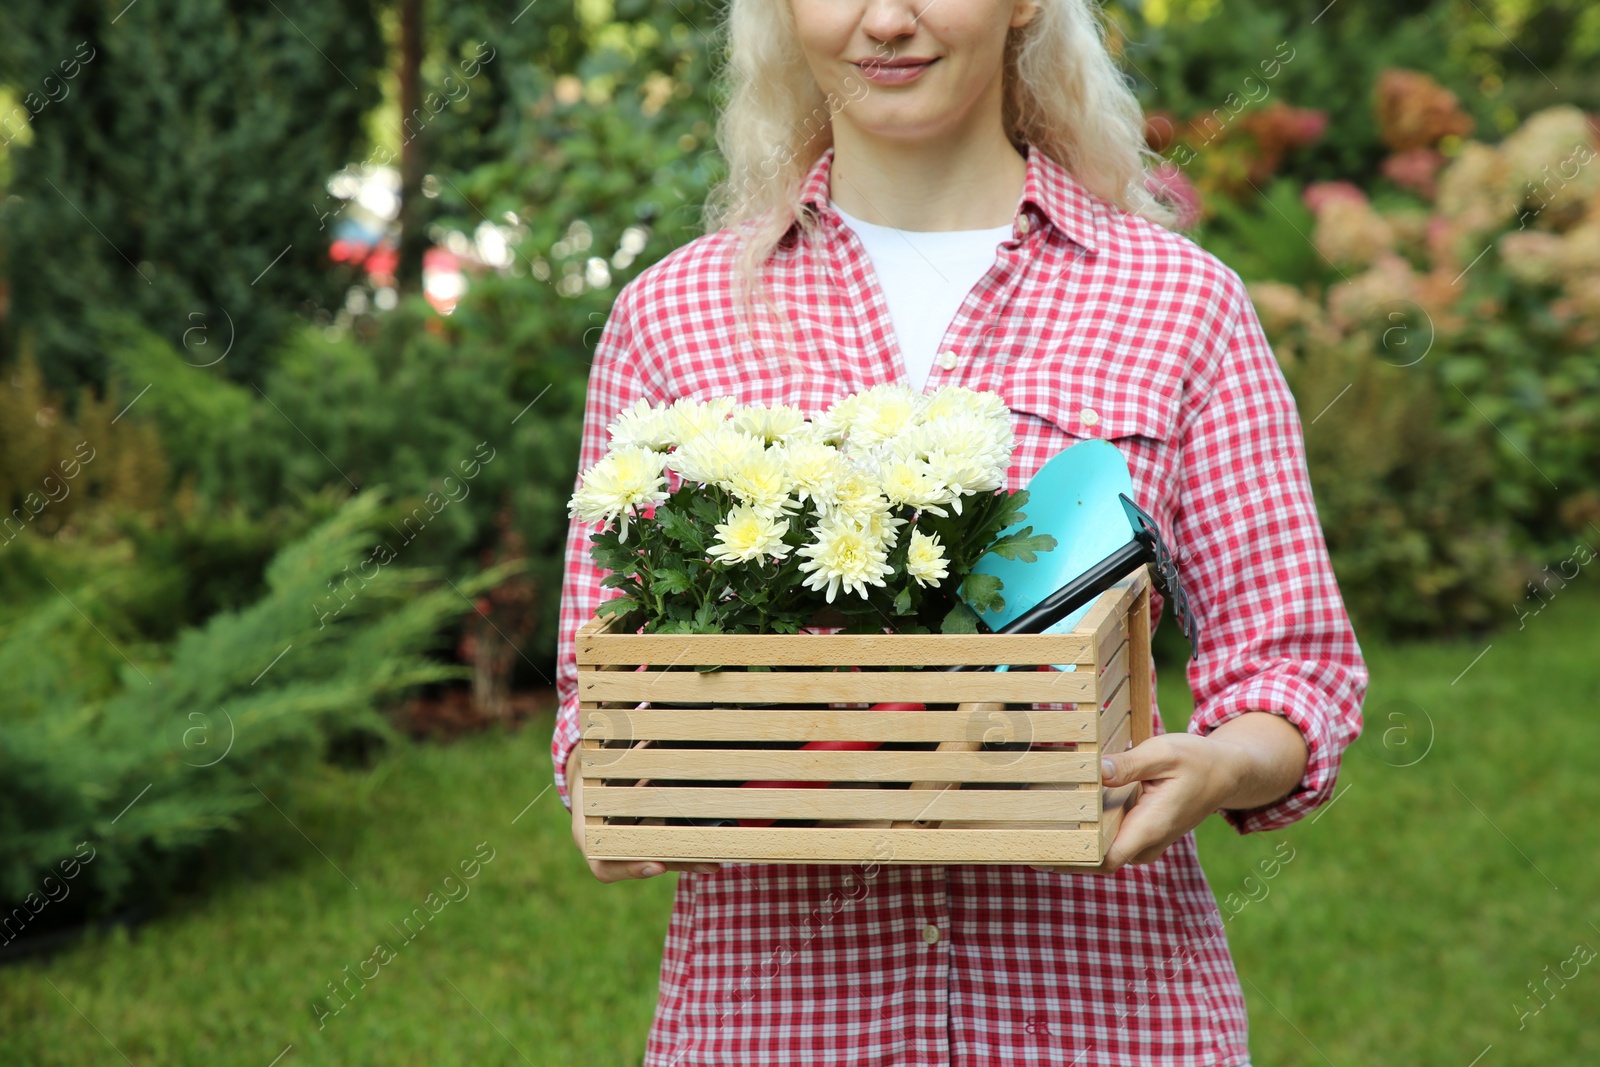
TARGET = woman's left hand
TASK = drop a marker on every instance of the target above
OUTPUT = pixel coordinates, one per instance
(1247, 762)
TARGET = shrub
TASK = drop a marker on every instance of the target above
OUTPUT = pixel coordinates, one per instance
(150, 764)
(1465, 326)
(164, 180)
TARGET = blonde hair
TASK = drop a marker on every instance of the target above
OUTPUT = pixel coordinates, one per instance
(1064, 96)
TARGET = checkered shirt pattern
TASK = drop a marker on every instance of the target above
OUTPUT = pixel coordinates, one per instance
(1092, 323)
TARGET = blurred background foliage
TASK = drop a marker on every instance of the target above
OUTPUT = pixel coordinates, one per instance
(155, 177)
(255, 417)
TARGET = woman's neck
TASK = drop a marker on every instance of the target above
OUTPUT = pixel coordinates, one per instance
(957, 183)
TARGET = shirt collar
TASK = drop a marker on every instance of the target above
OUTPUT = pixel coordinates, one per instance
(1048, 187)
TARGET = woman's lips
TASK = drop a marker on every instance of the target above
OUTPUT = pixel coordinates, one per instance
(880, 74)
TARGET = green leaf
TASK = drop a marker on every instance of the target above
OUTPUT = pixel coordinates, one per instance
(617, 605)
(902, 601)
(1009, 512)
(1022, 545)
(981, 593)
(960, 620)
(680, 529)
(705, 509)
(611, 555)
(670, 581)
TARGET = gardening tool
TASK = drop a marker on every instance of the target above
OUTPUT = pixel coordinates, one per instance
(1076, 498)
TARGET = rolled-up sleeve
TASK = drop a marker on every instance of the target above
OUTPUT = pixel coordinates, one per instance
(615, 382)
(1274, 632)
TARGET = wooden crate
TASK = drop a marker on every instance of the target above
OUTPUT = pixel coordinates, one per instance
(949, 801)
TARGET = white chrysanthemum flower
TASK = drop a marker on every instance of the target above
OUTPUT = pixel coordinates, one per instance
(906, 480)
(888, 411)
(748, 534)
(987, 438)
(958, 399)
(965, 454)
(833, 424)
(812, 467)
(806, 431)
(925, 559)
(771, 424)
(960, 475)
(688, 418)
(760, 477)
(885, 526)
(627, 477)
(844, 556)
(854, 494)
(711, 456)
(873, 415)
(642, 425)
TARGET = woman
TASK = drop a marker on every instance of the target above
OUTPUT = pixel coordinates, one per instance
(955, 194)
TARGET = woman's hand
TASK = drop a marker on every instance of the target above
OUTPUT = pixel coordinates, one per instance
(618, 870)
(1247, 762)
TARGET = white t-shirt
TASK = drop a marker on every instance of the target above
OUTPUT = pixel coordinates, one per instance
(925, 275)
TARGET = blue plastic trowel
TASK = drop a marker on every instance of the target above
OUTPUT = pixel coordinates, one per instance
(1073, 497)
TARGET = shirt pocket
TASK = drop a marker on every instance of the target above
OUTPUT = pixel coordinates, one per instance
(1060, 397)
(1061, 400)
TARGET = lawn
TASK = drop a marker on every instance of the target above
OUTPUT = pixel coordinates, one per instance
(1412, 925)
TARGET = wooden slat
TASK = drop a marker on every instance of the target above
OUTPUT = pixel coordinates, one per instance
(1114, 714)
(1111, 640)
(1110, 611)
(1113, 674)
(1114, 804)
(598, 624)
(841, 687)
(1117, 741)
(597, 642)
(842, 845)
(1079, 805)
(596, 755)
(843, 650)
(694, 764)
(814, 724)
(1115, 800)
(706, 802)
(1139, 667)
(588, 669)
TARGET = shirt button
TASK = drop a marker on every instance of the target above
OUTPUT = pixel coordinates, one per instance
(947, 359)
(1024, 223)
(930, 933)
(1089, 416)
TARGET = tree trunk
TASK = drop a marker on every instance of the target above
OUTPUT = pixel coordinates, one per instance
(413, 120)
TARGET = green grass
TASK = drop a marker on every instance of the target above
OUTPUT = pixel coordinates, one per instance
(1443, 879)
(560, 964)
(1405, 929)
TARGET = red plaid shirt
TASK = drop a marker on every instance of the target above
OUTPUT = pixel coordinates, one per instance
(1092, 323)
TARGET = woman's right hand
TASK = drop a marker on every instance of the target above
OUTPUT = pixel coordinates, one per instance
(618, 870)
